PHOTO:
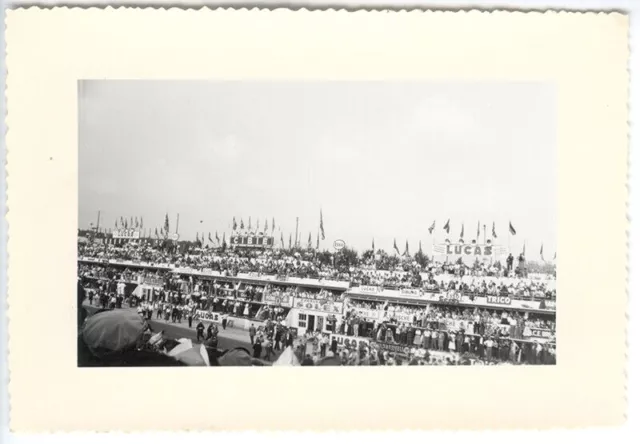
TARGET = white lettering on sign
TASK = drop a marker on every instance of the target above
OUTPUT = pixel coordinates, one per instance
(370, 289)
(208, 316)
(501, 300)
(349, 341)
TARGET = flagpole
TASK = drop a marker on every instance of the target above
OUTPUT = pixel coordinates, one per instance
(177, 222)
(296, 242)
(98, 222)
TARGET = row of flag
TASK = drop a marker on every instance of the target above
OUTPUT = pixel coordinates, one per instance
(250, 226)
(132, 223)
(494, 234)
(235, 226)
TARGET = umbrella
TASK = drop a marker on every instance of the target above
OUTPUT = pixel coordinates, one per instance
(194, 356)
(113, 330)
(287, 358)
(183, 345)
(239, 357)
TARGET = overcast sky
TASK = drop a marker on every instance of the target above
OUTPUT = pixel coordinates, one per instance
(382, 160)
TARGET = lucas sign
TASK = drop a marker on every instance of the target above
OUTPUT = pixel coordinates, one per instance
(467, 249)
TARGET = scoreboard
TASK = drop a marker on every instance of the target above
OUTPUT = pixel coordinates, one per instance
(251, 241)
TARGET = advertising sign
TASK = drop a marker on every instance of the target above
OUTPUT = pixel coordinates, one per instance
(392, 348)
(318, 305)
(499, 300)
(468, 249)
(415, 292)
(349, 341)
(126, 234)
(208, 316)
(278, 299)
(369, 289)
(251, 241)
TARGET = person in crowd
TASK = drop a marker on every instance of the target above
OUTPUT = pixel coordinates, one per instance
(268, 348)
(257, 348)
(189, 316)
(200, 332)
(224, 321)
(252, 333)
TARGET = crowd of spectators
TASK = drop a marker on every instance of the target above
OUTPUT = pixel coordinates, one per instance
(386, 272)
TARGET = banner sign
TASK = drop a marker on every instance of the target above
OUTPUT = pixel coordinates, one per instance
(318, 305)
(533, 332)
(547, 305)
(278, 299)
(410, 292)
(451, 297)
(369, 289)
(153, 281)
(252, 241)
(499, 300)
(405, 318)
(126, 234)
(367, 313)
(208, 316)
(468, 249)
(392, 348)
(350, 341)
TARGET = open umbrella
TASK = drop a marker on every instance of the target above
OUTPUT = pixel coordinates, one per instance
(194, 356)
(112, 331)
(239, 357)
(287, 358)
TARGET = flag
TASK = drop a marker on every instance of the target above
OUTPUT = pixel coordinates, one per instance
(395, 246)
(131, 224)
(235, 224)
(121, 222)
(197, 237)
(273, 224)
(289, 241)
(542, 252)
(217, 238)
(554, 255)
(524, 249)
(266, 225)
(420, 247)
(478, 232)
(511, 229)
(141, 222)
(493, 231)
(309, 241)
(282, 239)
(462, 233)
(318, 242)
(373, 245)
(210, 240)
(321, 225)
(157, 232)
(249, 226)
(241, 224)
(116, 224)
(432, 227)
(224, 241)
(406, 249)
(166, 224)
(126, 225)
(446, 226)
(136, 223)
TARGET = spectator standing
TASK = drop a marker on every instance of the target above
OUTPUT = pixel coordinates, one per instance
(252, 333)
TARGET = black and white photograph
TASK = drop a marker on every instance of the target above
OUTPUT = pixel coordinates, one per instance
(316, 223)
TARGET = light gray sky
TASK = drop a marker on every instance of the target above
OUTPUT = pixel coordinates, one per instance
(381, 159)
